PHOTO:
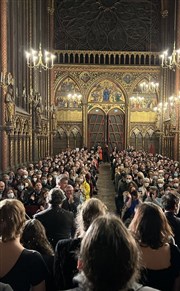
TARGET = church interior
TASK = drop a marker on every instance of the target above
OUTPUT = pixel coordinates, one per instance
(88, 72)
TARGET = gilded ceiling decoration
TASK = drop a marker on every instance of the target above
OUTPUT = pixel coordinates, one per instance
(131, 25)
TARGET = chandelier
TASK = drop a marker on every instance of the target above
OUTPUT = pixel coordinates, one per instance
(161, 107)
(171, 61)
(74, 97)
(74, 100)
(137, 101)
(149, 87)
(39, 60)
(174, 100)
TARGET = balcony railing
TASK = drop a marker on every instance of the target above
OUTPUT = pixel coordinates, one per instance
(124, 58)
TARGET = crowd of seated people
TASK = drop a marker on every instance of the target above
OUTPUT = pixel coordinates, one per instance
(31, 184)
(150, 175)
(55, 193)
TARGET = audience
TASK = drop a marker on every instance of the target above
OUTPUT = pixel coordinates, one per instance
(138, 177)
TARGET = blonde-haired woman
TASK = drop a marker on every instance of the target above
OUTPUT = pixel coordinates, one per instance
(66, 250)
(22, 269)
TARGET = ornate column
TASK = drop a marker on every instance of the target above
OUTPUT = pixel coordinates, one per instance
(84, 122)
(177, 90)
(51, 80)
(3, 65)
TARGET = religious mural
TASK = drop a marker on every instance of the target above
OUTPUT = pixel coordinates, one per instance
(143, 99)
(106, 91)
(68, 95)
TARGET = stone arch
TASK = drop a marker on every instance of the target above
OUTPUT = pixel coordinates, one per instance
(75, 137)
(18, 125)
(25, 126)
(67, 85)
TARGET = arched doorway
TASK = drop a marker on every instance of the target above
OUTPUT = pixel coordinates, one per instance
(106, 128)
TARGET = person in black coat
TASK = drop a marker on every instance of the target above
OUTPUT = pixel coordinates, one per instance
(171, 203)
(58, 222)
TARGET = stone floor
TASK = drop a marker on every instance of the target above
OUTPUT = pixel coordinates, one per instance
(106, 187)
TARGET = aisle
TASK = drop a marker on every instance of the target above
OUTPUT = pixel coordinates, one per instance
(106, 187)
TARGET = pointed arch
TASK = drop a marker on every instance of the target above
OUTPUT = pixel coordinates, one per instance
(65, 87)
(106, 90)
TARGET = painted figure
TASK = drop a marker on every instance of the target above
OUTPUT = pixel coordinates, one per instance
(106, 94)
(10, 106)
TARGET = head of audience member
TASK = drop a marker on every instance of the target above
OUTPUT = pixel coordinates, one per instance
(160, 183)
(11, 176)
(2, 188)
(5, 179)
(175, 183)
(109, 256)
(12, 219)
(57, 197)
(69, 191)
(20, 186)
(146, 182)
(34, 237)
(128, 179)
(171, 202)
(140, 177)
(123, 176)
(90, 210)
(9, 193)
(38, 187)
(161, 174)
(63, 182)
(44, 180)
(34, 178)
(176, 174)
(150, 226)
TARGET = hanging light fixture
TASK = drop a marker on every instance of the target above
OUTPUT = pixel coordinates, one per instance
(173, 61)
(161, 107)
(137, 101)
(149, 86)
(39, 60)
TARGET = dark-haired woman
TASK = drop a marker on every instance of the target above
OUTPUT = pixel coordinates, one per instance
(34, 238)
(160, 258)
(109, 258)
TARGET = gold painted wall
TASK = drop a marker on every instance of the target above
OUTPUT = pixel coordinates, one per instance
(143, 117)
(69, 116)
